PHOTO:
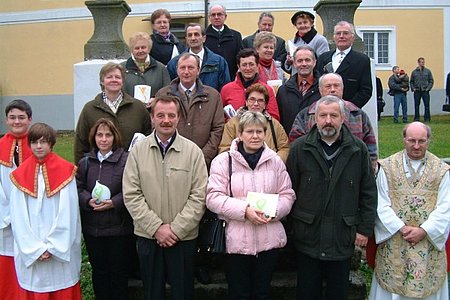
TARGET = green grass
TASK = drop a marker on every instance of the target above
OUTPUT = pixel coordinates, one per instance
(390, 141)
(390, 136)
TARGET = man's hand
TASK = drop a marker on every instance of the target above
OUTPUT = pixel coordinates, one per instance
(104, 205)
(165, 236)
(361, 240)
(413, 235)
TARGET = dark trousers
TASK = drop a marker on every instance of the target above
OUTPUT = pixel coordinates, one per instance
(426, 102)
(174, 265)
(249, 276)
(312, 272)
(109, 258)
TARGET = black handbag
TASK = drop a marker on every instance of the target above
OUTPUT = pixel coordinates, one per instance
(211, 236)
(446, 106)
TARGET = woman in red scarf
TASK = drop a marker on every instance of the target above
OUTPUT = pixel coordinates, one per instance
(265, 43)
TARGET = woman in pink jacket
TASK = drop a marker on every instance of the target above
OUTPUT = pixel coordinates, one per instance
(253, 238)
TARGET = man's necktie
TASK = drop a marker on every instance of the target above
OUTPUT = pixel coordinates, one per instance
(303, 87)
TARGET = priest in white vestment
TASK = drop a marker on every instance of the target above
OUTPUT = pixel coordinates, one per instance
(412, 225)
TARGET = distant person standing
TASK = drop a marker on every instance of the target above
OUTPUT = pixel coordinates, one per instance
(421, 83)
(165, 44)
(221, 39)
(398, 86)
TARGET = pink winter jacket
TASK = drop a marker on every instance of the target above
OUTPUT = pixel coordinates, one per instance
(270, 176)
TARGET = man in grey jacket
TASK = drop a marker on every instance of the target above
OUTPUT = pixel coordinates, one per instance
(421, 83)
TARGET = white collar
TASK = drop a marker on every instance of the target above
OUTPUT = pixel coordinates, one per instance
(147, 59)
(201, 54)
(346, 51)
(185, 88)
(102, 157)
(218, 30)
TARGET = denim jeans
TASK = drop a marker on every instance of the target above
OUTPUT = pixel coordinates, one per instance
(400, 98)
(426, 102)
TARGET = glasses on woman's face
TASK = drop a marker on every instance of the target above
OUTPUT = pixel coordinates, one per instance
(253, 100)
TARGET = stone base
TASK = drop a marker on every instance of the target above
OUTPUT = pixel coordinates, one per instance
(283, 287)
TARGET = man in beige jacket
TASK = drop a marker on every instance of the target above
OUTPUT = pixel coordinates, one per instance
(164, 188)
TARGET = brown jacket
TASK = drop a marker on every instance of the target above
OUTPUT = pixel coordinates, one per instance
(201, 117)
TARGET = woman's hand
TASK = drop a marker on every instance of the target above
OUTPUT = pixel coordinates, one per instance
(256, 216)
(104, 205)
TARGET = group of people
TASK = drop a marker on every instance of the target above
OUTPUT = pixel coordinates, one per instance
(421, 83)
(306, 152)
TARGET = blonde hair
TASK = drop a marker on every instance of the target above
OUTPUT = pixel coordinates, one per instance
(137, 36)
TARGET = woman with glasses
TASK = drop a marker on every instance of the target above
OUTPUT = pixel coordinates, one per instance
(257, 97)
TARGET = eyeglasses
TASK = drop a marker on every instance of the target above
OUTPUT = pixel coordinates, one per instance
(345, 33)
(217, 15)
(413, 141)
(252, 101)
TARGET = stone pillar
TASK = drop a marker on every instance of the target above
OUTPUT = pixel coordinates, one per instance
(107, 41)
(333, 11)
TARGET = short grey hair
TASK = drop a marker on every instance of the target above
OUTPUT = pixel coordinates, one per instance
(345, 23)
(252, 118)
(322, 78)
(266, 14)
(305, 47)
(329, 100)
(220, 5)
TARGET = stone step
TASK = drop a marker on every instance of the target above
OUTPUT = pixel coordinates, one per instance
(283, 287)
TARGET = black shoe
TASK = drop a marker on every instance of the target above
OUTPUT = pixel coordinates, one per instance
(202, 275)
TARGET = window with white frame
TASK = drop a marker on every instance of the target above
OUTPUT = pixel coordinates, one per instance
(380, 45)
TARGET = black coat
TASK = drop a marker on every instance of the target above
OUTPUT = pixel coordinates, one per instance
(227, 46)
(113, 222)
(291, 101)
(331, 208)
(356, 74)
(162, 49)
